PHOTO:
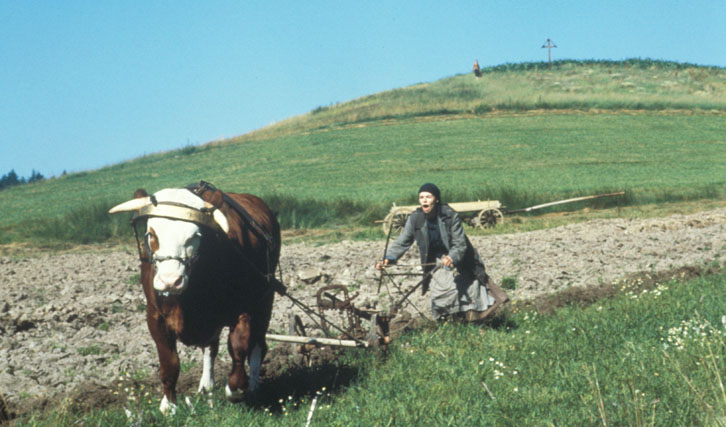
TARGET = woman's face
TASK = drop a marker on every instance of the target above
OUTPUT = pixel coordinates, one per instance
(427, 201)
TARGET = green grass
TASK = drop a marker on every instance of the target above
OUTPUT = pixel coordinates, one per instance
(652, 355)
(351, 176)
(90, 350)
(627, 362)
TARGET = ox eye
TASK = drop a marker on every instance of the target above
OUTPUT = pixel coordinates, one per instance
(194, 239)
(192, 243)
(151, 243)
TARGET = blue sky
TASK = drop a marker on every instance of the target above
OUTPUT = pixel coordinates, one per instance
(86, 84)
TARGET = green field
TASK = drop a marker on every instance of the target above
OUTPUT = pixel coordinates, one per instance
(517, 160)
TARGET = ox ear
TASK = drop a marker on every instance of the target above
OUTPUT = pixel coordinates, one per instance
(131, 205)
(215, 198)
(140, 193)
(219, 217)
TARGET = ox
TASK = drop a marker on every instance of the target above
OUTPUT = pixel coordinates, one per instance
(207, 261)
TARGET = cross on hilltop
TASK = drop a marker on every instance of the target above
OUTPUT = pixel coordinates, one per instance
(549, 45)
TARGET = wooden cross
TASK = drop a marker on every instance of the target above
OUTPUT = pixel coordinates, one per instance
(549, 47)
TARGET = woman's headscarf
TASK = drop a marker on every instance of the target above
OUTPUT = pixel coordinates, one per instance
(431, 188)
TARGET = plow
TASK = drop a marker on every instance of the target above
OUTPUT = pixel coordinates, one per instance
(365, 327)
(339, 322)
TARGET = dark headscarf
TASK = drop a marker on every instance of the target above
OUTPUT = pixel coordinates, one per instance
(431, 188)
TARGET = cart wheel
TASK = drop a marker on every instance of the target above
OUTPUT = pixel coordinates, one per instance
(488, 218)
(397, 220)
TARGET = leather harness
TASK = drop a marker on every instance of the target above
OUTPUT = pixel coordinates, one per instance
(176, 211)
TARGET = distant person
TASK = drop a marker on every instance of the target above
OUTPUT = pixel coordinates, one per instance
(443, 246)
(475, 69)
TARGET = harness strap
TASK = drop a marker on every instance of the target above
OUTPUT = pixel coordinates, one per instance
(204, 186)
(179, 212)
(255, 227)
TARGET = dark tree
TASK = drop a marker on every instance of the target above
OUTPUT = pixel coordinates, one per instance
(9, 179)
(35, 176)
(12, 179)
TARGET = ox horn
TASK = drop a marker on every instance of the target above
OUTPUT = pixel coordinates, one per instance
(131, 205)
(219, 217)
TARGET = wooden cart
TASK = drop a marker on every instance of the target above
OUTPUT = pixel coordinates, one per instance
(487, 214)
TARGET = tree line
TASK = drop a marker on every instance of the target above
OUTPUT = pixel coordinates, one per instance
(11, 179)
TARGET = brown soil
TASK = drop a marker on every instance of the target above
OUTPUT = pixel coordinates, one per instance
(72, 324)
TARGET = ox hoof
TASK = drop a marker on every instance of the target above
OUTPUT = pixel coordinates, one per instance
(210, 398)
(205, 387)
(166, 407)
(234, 396)
(190, 405)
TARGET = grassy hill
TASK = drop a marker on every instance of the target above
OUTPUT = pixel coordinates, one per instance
(520, 134)
(591, 86)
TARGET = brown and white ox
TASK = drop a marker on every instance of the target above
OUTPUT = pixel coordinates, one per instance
(204, 267)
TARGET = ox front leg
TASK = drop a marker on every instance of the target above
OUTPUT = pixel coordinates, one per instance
(238, 345)
(169, 373)
(209, 354)
(168, 359)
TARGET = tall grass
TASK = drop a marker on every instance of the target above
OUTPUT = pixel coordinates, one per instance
(92, 224)
(83, 225)
(293, 213)
(652, 355)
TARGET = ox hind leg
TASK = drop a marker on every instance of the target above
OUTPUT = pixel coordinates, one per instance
(238, 345)
(244, 343)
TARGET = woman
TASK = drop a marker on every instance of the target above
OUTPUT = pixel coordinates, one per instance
(441, 240)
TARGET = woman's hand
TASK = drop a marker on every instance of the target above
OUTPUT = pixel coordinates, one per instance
(447, 261)
(381, 265)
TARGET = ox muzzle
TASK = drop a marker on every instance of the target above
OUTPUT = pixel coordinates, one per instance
(171, 273)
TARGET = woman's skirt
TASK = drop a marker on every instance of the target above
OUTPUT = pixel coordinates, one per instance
(453, 293)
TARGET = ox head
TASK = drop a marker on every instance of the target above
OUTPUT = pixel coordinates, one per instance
(173, 233)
